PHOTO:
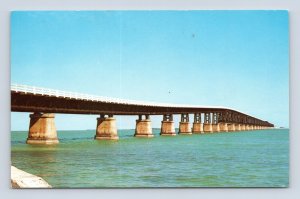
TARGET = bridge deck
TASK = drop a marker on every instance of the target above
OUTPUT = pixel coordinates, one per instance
(35, 99)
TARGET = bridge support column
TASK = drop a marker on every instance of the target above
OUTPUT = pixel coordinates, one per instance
(207, 126)
(184, 128)
(215, 127)
(197, 125)
(247, 127)
(231, 127)
(184, 125)
(215, 122)
(223, 127)
(167, 125)
(237, 127)
(106, 128)
(143, 127)
(243, 127)
(251, 127)
(42, 129)
(197, 128)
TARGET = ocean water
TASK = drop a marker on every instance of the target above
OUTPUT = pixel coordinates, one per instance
(239, 159)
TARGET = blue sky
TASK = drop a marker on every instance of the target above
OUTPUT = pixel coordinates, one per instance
(237, 59)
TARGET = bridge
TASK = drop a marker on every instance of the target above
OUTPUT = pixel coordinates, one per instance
(44, 102)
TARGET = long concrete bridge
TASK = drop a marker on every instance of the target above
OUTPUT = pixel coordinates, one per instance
(43, 103)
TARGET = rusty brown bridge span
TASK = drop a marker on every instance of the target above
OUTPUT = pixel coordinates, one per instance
(44, 102)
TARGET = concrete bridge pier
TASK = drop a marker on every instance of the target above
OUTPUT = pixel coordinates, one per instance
(243, 127)
(207, 126)
(42, 129)
(106, 128)
(184, 125)
(197, 128)
(216, 127)
(197, 125)
(215, 123)
(247, 127)
(237, 127)
(223, 127)
(231, 127)
(167, 125)
(251, 127)
(143, 127)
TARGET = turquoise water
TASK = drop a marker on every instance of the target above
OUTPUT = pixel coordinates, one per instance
(240, 159)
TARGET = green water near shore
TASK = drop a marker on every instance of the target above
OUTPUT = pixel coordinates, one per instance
(239, 159)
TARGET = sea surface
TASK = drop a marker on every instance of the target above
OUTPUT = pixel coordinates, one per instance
(240, 159)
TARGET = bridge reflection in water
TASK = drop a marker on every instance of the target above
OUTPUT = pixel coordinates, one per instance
(45, 102)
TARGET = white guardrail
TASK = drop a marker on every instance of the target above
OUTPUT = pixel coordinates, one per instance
(73, 95)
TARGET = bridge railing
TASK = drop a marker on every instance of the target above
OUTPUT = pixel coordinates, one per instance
(74, 95)
(57, 93)
(67, 94)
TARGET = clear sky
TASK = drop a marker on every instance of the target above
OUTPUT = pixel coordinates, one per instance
(237, 59)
